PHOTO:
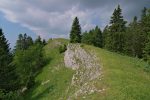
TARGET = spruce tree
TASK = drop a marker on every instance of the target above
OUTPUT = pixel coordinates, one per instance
(144, 29)
(19, 43)
(117, 30)
(75, 33)
(133, 39)
(7, 71)
(147, 50)
(146, 26)
(29, 41)
(144, 12)
(23, 42)
(38, 40)
(44, 42)
(87, 37)
(98, 39)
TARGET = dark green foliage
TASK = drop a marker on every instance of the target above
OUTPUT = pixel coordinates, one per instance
(29, 41)
(135, 39)
(38, 40)
(87, 37)
(62, 48)
(147, 50)
(75, 33)
(44, 42)
(144, 13)
(23, 42)
(28, 59)
(98, 39)
(93, 37)
(145, 22)
(105, 36)
(28, 62)
(11, 95)
(129, 40)
(147, 54)
(137, 35)
(117, 29)
(7, 71)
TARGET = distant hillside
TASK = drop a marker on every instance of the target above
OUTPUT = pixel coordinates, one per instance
(118, 77)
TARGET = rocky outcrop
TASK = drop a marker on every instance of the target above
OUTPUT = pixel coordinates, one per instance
(87, 68)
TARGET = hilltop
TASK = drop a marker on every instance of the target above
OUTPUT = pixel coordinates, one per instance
(99, 75)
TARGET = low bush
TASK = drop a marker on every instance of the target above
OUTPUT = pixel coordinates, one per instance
(62, 48)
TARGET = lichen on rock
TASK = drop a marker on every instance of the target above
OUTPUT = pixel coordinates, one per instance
(87, 68)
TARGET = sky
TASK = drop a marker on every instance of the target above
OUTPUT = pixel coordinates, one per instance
(53, 18)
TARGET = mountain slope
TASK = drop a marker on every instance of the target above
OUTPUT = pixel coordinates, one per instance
(122, 77)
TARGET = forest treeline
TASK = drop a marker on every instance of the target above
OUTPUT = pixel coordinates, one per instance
(19, 68)
(131, 39)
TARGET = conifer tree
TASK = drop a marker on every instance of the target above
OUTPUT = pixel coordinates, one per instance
(147, 30)
(23, 42)
(75, 33)
(147, 50)
(38, 40)
(144, 12)
(144, 29)
(117, 31)
(106, 37)
(132, 44)
(7, 71)
(44, 42)
(98, 39)
(29, 41)
(87, 37)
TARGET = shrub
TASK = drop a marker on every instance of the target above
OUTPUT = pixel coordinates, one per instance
(62, 48)
(147, 67)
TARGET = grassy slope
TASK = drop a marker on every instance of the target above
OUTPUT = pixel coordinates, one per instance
(123, 77)
(59, 77)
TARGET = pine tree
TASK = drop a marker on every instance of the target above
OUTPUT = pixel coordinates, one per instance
(144, 12)
(19, 43)
(146, 26)
(75, 34)
(145, 20)
(38, 40)
(44, 42)
(117, 30)
(104, 35)
(23, 42)
(7, 71)
(132, 44)
(98, 39)
(87, 37)
(144, 29)
(147, 50)
(29, 41)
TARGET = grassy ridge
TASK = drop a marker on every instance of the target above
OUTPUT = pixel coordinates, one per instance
(123, 77)
(52, 82)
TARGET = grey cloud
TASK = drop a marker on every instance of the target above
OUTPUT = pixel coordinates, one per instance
(53, 18)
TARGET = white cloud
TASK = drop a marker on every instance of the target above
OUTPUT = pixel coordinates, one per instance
(44, 22)
(53, 18)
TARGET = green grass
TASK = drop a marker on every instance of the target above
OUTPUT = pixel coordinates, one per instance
(57, 76)
(123, 77)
